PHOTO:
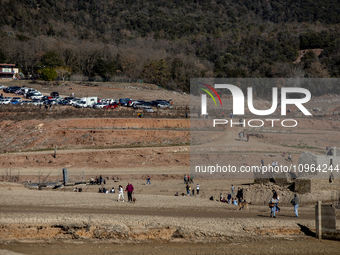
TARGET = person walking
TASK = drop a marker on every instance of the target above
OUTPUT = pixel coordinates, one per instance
(120, 193)
(295, 203)
(148, 180)
(129, 188)
(239, 195)
(290, 158)
(232, 189)
(273, 203)
(247, 137)
(198, 189)
(188, 189)
(278, 199)
(191, 178)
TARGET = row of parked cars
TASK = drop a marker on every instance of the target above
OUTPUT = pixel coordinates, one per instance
(37, 98)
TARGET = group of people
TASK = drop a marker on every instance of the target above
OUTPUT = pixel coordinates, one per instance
(97, 180)
(273, 204)
(105, 190)
(243, 137)
(188, 189)
(188, 179)
(77, 189)
(233, 200)
(129, 189)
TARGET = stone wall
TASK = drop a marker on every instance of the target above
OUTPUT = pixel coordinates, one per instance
(317, 184)
(319, 166)
(308, 185)
(303, 185)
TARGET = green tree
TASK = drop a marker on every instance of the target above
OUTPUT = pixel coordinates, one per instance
(49, 74)
(51, 59)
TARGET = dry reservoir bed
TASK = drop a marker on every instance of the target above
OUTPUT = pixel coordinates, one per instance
(41, 222)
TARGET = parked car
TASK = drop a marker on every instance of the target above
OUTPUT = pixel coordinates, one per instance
(154, 103)
(25, 102)
(2, 87)
(5, 101)
(135, 102)
(99, 106)
(80, 104)
(148, 109)
(74, 101)
(161, 101)
(36, 96)
(144, 105)
(17, 98)
(64, 102)
(51, 102)
(165, 106)
(58, 99)
(54, 94)
(37, 102)
(69, 98)
(31, 93)
(45, 98)
(110, 106)
(124, 101)
(11, 89)
(15, 102)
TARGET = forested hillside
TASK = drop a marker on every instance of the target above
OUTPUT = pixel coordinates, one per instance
(168, 42)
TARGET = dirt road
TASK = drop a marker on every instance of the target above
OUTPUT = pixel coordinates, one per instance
(257, 213)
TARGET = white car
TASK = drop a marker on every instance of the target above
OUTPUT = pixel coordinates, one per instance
(148, 109)
(30, 90)
(5, 101)
(80, 104)
(165, 106)
(37, 96)
(2, 87)
(74, 101)
(99, 106)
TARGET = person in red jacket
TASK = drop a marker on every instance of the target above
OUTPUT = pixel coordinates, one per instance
(129, 189)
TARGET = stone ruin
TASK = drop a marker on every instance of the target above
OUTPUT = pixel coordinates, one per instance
(319, 180)
(312, 180)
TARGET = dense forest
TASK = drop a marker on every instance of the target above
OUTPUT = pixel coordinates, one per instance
(169, 42)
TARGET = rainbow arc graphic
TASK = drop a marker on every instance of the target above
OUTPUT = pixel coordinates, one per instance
(210, 94)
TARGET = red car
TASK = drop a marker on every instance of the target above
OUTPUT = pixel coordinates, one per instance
(110, 106)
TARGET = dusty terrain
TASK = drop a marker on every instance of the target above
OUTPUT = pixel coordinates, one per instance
(61, 221)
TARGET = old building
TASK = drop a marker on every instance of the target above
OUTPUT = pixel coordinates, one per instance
(7, 71)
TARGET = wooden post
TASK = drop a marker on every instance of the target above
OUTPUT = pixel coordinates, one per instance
(318, 220)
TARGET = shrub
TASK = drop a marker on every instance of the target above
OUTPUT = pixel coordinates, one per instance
(49, 74)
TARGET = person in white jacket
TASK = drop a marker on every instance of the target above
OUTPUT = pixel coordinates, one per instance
(121, 193)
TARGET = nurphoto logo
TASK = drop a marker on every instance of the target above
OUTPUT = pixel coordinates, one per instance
(239, 98)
